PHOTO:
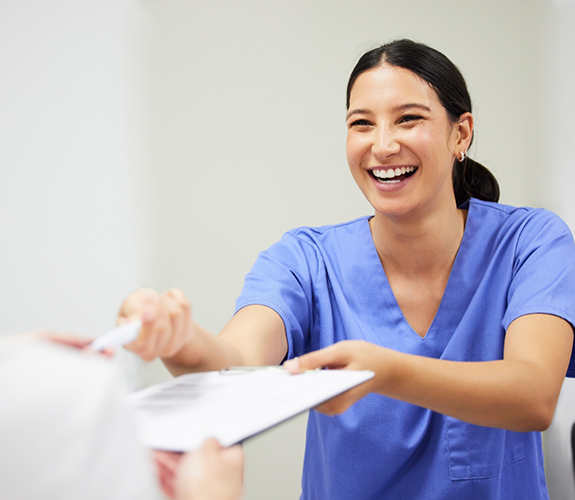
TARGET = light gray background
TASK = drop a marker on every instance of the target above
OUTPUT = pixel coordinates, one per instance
(166, 143)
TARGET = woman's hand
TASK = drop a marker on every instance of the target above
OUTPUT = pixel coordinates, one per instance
(166, 322)
(346, 355)
(211, 472)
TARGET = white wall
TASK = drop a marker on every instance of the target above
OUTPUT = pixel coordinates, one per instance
(68, 253)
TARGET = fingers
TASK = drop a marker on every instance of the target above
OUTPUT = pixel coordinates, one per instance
(166, 468)
(154, 324)
(211, 446)
(73, 340)
(131, 308)
(345, 355)
(68, 339)
(180, 315)
(166, 322)
(335, 357)
(211, 472)
(234, 455)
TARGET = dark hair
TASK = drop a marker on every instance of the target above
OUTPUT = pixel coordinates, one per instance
(470, 178)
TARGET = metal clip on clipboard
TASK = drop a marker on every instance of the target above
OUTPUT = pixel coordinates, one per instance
(232, 370)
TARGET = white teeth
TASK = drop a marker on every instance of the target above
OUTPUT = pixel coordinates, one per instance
(391, 173)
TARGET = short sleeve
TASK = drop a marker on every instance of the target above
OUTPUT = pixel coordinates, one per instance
(282, 279)
(544, 272)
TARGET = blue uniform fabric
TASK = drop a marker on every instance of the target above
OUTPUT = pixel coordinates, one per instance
(327, 284)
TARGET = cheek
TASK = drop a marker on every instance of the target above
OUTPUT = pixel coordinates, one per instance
(355, 150)
(424, 138)
(349, 151)
(433, 147)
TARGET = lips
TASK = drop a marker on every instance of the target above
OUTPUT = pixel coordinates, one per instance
(392, 175)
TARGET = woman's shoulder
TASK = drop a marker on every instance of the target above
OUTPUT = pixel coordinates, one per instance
(349, 229)
(306, 251)
(508, 217)
(317, 243)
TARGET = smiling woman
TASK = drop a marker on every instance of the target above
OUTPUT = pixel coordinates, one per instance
(462, 307)
(471, 179)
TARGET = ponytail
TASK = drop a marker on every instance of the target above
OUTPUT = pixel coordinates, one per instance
(473, 180)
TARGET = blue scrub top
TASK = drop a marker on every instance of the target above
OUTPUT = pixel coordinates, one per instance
(327, 284)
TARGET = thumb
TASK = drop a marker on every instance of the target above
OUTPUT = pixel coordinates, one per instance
(330, 357)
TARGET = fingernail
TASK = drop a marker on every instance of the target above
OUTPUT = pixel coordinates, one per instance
(292, 365)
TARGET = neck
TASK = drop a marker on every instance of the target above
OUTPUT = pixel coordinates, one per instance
(421, 246)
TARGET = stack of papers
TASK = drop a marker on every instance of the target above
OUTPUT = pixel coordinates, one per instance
(231, 405)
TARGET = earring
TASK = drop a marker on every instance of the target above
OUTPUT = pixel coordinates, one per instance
(462, 157)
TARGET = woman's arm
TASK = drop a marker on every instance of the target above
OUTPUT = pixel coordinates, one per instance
(517, 393)
(254, 336)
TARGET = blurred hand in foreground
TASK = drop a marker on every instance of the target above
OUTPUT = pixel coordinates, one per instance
(208, 473)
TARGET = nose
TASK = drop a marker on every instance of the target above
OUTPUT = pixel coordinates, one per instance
(385, 144)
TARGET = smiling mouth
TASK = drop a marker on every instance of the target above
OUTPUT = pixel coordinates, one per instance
(392, 175)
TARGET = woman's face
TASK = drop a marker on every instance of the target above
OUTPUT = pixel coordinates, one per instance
(400, 143)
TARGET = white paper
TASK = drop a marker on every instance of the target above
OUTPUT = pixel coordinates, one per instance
(119, 336)
(231, 406)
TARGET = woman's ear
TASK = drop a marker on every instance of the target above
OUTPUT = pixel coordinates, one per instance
(464, 130)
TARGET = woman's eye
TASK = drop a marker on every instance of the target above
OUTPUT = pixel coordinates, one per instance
(360, 123)
(410, 118)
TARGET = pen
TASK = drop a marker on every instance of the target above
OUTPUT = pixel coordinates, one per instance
(119, 336)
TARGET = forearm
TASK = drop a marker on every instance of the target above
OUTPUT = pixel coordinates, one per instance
(206, 352)
(509, 394)
(254, 336)
(517, 393)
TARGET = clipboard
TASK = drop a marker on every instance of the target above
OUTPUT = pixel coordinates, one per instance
(231, 405)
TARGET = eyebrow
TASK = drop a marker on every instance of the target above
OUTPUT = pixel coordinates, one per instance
(402, 107)
(357, 112)
(411, 105)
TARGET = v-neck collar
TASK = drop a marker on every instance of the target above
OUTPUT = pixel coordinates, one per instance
(373, 283)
